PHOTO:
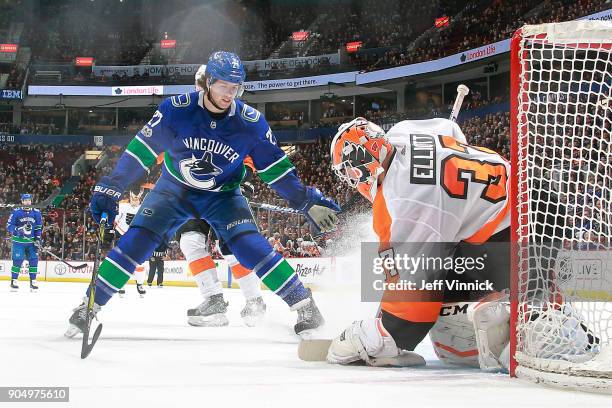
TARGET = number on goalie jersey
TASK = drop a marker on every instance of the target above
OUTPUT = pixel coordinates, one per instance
(439, 189)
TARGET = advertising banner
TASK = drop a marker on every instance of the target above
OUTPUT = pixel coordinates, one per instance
(9, 47)
(167, 44)
(83, 61)
(312, 270)
(10, 94)
(304, 82)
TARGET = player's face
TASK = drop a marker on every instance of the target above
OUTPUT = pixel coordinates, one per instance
(223, 93)
(26, 202)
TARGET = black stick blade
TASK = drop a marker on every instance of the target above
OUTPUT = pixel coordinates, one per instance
(87, 347)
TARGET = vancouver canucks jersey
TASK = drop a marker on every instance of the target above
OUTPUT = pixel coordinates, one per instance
(205, 151)
(25, 224)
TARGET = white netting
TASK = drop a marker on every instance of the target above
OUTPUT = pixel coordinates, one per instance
(564, 172)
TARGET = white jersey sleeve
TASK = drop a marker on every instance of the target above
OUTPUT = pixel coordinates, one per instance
(439, 189)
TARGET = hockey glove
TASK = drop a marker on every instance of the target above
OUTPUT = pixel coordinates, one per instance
(319, 210)
(104, 200)
(247, 189)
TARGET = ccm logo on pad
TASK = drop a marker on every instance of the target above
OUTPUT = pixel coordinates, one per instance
(107, 191)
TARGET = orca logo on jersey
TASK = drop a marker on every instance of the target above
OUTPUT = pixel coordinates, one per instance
(200, 172)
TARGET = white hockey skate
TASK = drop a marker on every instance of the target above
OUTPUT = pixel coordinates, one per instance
(210, 313)
(253, 311)
(77, 320)
(309, 316)
(33, 286)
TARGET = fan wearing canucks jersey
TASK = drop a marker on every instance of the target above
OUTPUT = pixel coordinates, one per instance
(205, 136)
(25, 225)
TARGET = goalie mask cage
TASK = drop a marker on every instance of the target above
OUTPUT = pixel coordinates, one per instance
(561, 113)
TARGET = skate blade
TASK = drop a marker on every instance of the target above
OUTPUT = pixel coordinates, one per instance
(14, 290)
(313, 349)
(216, 320)
(72, 331)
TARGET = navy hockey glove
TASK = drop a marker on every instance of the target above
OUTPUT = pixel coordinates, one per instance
(104, 200)
(319, 210)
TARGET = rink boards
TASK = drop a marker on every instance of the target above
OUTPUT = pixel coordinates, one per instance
(312, 271)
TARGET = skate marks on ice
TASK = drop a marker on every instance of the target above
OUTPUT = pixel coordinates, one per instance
(148, 352)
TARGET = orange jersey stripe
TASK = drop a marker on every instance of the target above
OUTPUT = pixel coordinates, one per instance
(483, 234)
(239, 271)
(420, 312)
(249, 163)
(382, 219)
(200, 265)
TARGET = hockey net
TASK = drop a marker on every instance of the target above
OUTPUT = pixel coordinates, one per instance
(562, 211)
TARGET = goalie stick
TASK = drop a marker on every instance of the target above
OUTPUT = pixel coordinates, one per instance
(77, 267)
(86, 347)
(462, 91)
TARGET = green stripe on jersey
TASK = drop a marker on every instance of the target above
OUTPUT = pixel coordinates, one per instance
(22, 240)
(112, 275)
(277, 277)
(15, 269)
(170, 167)
(142, 151)
(32, 269)
(276, 171)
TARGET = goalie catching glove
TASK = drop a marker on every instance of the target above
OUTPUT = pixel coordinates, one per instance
(319, 210)
(105, 199)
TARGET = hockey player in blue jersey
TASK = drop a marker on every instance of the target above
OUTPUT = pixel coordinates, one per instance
(205, 136)
(25, 225)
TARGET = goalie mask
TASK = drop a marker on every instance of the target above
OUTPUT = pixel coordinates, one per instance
(357, 153)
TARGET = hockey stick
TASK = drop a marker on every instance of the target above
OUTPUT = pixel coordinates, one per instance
(77, 267)
(86, 347)
(462, 91)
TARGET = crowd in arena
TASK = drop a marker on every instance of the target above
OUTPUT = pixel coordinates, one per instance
(391, 32)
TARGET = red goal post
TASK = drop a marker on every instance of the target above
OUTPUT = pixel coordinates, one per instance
(561, 121)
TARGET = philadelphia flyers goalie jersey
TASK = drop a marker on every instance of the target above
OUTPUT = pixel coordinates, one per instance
(439, 189)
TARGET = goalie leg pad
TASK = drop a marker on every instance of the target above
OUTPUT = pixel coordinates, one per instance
(453, 336)
(491, 320)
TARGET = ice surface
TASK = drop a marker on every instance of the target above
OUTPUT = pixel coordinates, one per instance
(148, 356)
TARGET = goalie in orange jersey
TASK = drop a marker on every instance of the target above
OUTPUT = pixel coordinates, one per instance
(433, 194)
(427, 186)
